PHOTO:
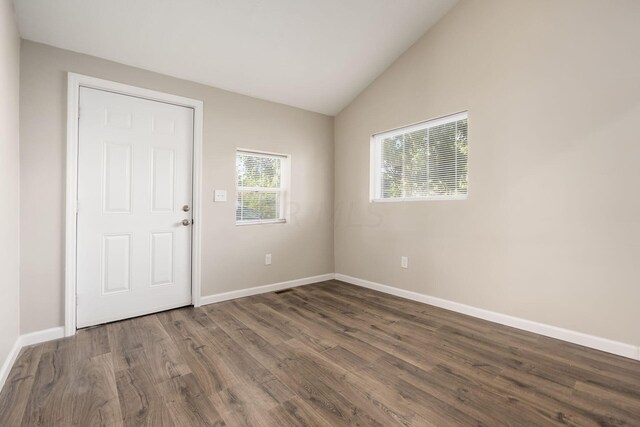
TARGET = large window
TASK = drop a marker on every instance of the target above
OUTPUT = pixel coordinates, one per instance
(261, 185)
(426, 161)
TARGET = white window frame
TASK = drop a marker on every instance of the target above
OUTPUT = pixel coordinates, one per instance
(376, 159)
(285, 173)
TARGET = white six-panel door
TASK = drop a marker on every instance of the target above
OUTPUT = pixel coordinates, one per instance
(134, 192)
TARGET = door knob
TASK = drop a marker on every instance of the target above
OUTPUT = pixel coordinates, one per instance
(186, 222)
(186, 208)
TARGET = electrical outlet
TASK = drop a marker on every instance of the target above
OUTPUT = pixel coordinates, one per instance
(404, 262)
(267, 259)
(220, 196)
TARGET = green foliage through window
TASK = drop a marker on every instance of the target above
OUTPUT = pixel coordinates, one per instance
(259, 182)
(427, 161)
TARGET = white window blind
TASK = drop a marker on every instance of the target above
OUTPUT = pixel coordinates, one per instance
(426, 161)
(260, 187)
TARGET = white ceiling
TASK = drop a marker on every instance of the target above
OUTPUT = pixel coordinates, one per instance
(313, 54)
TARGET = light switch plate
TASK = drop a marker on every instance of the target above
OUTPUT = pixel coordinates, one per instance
(404, 262)
(220, 196)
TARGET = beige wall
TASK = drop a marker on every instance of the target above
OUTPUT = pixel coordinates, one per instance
(233, 257)
(551, 229)
(9, 180)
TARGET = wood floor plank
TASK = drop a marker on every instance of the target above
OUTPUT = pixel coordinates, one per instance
(246, 402)
(329, 332)
(93, 393)
(296, 413)
(379, 335)
(362, 394)
(316, 391)
(326, 354)
(269, 331)
(18, 386)
(188, 404)
(261, 349)
(47, 404)
(240, 362)
(140, 401)
(127, 349)
(165, 360)
(211, 372)
(368, 392)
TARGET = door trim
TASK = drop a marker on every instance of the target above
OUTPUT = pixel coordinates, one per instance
(74, 82)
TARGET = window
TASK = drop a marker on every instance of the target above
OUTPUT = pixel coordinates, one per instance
(261, 184)
(426, 161)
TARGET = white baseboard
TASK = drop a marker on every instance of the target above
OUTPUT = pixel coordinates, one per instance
(42, 336)
(210, 299)
(9, 361)
(23, 341)
(598, 343)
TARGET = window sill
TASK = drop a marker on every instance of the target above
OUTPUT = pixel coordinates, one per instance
(275, 221)
(419, 199)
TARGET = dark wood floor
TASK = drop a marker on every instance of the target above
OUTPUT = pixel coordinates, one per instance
(327, 354)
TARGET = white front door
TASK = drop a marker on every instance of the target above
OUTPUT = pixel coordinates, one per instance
(134, 191)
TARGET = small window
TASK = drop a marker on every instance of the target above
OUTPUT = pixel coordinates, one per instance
(426, 161)
(261, 185)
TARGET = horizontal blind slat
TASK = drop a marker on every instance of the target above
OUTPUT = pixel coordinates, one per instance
(424, 160)
(259, 187)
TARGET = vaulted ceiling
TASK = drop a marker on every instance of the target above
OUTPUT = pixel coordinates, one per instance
(313, 54)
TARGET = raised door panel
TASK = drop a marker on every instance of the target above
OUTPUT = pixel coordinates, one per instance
(162, 179)
(116, 263)
(116, 178)
(162, 259)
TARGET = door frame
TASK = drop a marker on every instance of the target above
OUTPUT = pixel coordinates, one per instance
(74, 83)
